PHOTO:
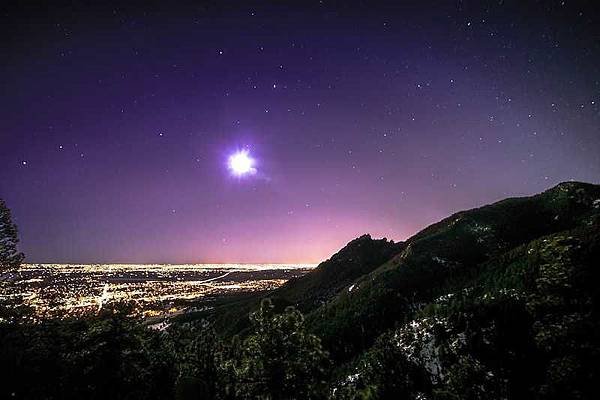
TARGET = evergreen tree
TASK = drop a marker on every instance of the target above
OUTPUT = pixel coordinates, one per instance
(10, 257)
(199, 353)
(281, 360)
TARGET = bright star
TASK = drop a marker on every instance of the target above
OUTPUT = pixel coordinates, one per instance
(241, 163)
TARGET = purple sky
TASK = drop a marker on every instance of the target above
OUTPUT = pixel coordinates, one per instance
(117, 122)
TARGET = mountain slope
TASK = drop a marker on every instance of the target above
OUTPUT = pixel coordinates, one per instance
(497, 302)
(443, 258)
(359, 257)
(526, 326)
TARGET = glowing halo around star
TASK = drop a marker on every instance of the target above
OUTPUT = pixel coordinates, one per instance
(241, 164)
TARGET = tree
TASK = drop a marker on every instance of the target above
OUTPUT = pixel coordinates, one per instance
(281, 360)
(199, 353)
(106, 356)
(10, 257)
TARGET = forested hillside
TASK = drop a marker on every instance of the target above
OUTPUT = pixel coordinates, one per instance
(491, 303)
(497, 301)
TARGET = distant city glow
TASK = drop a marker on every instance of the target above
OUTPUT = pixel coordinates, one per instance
(72, 290)
(240, 163)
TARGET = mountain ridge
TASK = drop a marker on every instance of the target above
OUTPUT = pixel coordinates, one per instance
(488, 278)
(437, 253)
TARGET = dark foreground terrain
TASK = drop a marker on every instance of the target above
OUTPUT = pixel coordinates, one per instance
(491, 303)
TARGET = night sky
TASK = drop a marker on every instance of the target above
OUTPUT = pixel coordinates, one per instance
(118, 122)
